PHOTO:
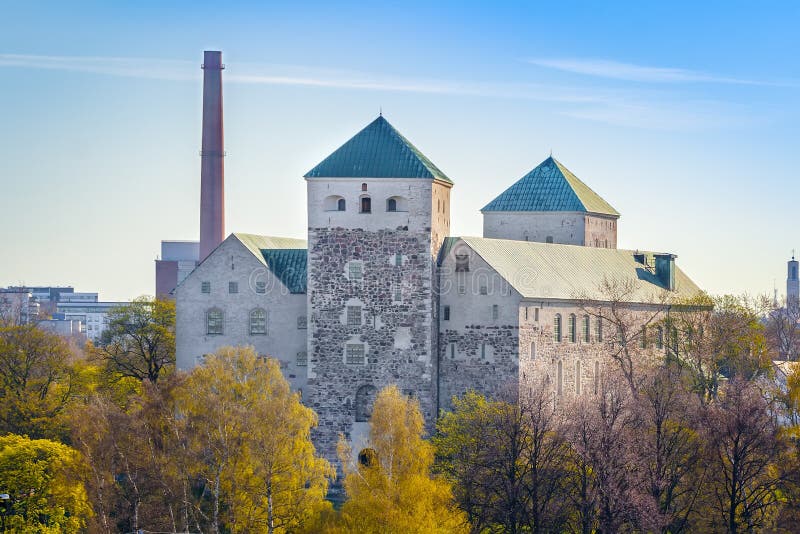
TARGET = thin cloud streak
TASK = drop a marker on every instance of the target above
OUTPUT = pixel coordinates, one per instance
(650, 111)
(639, 73)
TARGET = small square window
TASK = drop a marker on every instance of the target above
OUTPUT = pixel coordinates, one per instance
(233, 287)
(302, 322)
(446, 313)
(261, 287)
(356, 270)
(354, 316)
(354, 353)
(302, 358)
(462, 263)
(205, 287)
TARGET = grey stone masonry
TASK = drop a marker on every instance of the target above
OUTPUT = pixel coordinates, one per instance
(371, 323)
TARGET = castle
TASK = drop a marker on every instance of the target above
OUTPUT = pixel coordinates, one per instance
(382, 294)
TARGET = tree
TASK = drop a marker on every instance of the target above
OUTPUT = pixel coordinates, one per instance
(36, 381)
(783, 331)
(389, 485)
(506, 461)
(40, 478)
(250, 437)
(625, 325)
(666, 446)
(140, 339)
(744, 447)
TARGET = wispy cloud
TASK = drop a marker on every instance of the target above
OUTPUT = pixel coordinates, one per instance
(638, 73)
(628, 107)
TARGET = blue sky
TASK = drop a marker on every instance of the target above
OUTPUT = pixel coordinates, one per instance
(683, 116)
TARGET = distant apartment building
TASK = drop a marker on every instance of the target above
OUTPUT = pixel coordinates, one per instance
(93, 315)
(18, 306)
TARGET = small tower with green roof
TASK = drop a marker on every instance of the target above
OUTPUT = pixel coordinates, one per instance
(551, 205)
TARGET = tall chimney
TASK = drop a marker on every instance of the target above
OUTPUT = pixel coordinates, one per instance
(212, 168)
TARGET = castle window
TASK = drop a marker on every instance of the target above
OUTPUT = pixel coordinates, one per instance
(258, 322)
(659, 338)
(495, 311)
(302, 322)
(356, 270)
(536, 314)
(391, 204)
(341, 205)
(261, 287)
(354, 353)
(366, 205)
(233, 287)
(598, 325)
(302, 359)
(446, 313)
(578, 377)
(571, 326)
(363, 187)
(334, 203)
(205, 287)
(365, 398)
(596, 377)
(214, 322)
(462, 263)
(533, 350)
(452, 351)
(557, 328)
(483, 351)
(548, 239)
(354, 316)
(586, 328)
(560, 378)
(398, 260)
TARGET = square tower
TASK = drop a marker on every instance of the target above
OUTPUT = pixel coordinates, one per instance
(378, 211)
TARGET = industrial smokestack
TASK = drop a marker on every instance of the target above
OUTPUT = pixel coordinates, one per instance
(212, 168)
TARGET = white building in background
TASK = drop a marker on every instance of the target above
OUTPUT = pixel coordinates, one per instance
(92, 315)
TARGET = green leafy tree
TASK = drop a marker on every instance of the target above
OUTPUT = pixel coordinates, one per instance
(37, 381)
(140, 340)
(40, 477)
(389, 485)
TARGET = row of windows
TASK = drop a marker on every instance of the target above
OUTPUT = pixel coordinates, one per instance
(233, 287)
(257, 322)
(393, 204)
(572, 330)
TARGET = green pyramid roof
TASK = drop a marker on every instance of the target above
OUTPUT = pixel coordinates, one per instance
(550, 187)
(377, 151)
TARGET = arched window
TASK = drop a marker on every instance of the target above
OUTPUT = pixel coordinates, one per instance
(214, 322)
(366, 204)
(577, 377)
(560, 378)
(334, 203)
(258, 322)
(365, 398)
(391, 204)
(341, 205)
(572, 333)
(363, 187)
(557, 328)
(533, 350)
(586, 328)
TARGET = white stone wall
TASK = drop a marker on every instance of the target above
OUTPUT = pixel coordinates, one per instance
(233, 262)
(566, 228)
(417, 192)
(601, 232)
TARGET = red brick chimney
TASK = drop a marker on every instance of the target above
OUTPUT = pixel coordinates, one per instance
(212, 168)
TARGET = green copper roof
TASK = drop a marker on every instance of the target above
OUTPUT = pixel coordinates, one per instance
(550, 187)
(289, 265)
(285, 257)
(566, 272)
(377, 151)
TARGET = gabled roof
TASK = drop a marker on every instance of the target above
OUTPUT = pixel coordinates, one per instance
(285, 257)
(377, 151)
(567, 272)
(550, 187)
